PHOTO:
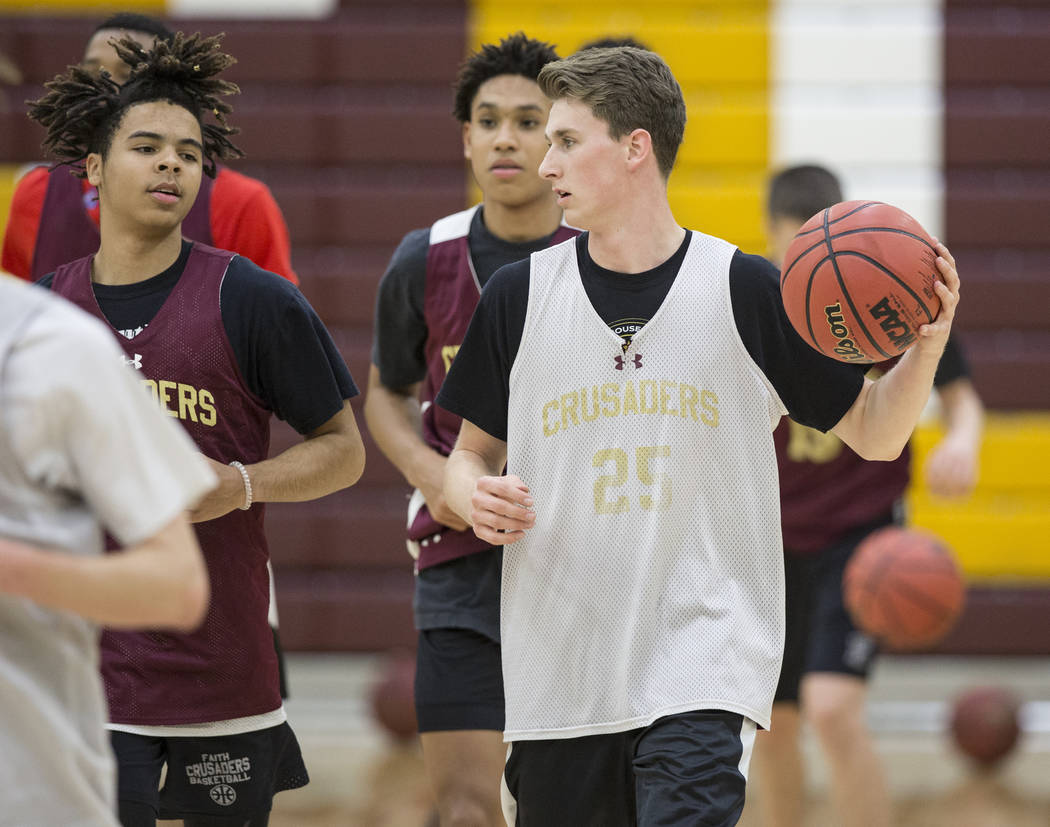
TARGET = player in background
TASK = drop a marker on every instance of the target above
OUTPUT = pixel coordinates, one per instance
(425, 301)
(830, 500)
(54, 216)
(613, 41)
(222, 345)
(82, 450)
(642, 596)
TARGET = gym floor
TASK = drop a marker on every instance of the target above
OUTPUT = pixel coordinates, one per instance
(364, 778)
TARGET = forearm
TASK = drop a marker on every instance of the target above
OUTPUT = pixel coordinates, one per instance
(951, 467)
(395, 422)
(330, 458)
(161, 582)
(313, 468)
(962, 412)
(462, 472)
(882, 420)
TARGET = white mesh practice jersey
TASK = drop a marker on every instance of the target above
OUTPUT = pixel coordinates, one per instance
(652, 582)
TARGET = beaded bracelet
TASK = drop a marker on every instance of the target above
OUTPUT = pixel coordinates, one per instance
(247, 485)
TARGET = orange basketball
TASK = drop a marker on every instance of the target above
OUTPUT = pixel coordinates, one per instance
(985, 723)
(858, 281)
(904, 587)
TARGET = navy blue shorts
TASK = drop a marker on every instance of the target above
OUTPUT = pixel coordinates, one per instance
(459, 681)
(820, 635)
(221, 776)
(688, 769)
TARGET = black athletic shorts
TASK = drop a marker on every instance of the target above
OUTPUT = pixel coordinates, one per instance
(685, 770)
(459, 681)
(225, 776)
(819, 634)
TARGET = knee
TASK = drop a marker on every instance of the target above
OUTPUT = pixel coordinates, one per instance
(467, 808)
(835, 717)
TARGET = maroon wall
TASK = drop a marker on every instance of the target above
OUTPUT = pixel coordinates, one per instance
(997, 157)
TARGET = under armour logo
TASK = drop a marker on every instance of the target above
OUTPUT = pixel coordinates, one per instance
(135, 363)
(636, 360)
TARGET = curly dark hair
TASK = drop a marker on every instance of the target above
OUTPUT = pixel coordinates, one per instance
(82, 111)
(516, 54)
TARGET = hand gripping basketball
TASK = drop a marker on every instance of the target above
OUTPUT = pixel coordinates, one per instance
(863, 282)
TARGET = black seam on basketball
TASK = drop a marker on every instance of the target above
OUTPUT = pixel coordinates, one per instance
(893, 276)
(855, 210)
(918, 238)
(921, 599)
(798, 258)
(869, 589)
(893, 621)
(809, 319)
(844, 215)
(845, 292)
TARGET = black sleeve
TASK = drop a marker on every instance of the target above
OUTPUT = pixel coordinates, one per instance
(400, 327)
(477, 386)
(816, 390)
(284, 352)
(953, 364)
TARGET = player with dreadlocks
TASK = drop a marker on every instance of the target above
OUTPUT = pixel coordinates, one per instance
(221, 345)
(54, 218)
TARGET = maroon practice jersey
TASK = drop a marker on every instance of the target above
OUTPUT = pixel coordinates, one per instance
(451, 294)
(228, 667)
(827, 490)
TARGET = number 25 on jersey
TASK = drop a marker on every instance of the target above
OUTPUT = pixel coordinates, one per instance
(609, 496)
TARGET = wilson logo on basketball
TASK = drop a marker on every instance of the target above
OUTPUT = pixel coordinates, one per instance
(889, 319)
(845, 347)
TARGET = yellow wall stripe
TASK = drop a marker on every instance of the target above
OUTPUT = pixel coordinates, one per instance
(1002, 532)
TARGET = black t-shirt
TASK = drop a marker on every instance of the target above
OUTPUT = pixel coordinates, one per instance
(285, 355)
(953, 364)
(400, 326)
(816, 390)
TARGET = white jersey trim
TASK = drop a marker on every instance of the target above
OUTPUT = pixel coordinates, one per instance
(208, 729)
(747, 741)
(452, 226)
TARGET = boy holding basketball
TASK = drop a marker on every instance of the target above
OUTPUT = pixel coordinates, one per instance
(831, 499)
(630, 380)
(221, 346)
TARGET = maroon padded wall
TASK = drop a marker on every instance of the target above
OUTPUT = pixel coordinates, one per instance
(997, 158)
